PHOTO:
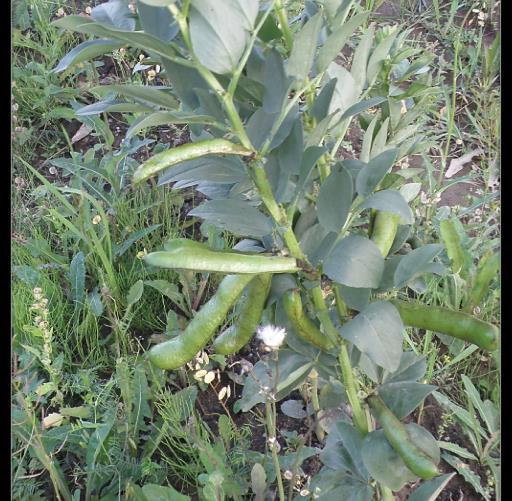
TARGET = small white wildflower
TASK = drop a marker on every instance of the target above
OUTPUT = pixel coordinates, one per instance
(151, 75)
(96, 219)
(304, 493)
(271, 335)
(60, 12)
(88, 10)
(288, 475)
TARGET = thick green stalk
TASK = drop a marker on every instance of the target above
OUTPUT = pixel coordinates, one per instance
(265, 191)
(346, 367)
(319, 431)
(283, 21)
(351, 389)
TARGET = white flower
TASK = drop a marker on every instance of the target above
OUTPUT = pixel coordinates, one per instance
(271, 335)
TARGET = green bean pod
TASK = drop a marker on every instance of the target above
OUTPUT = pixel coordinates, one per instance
(384, 228)
(184, 152)
(239, 334)
(189, 255)
(452, 323)
(305, 328)
(181, 349)
(398, 437)
(487, 270)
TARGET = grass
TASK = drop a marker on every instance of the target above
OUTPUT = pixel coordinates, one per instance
(126, 427)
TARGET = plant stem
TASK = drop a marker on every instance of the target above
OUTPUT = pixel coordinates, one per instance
(319, 431)
(386, 493)
(351, 389)
(283, 21)
(265, 191)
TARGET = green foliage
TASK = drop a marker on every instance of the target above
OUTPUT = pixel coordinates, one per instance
(272, 110)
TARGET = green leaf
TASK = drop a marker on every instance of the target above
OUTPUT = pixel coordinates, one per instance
(114, 13)
(380, 140)
(275, 81)
(78, 412)
(411, 368)
(220, 31)
(236, 216)
(403, 397)
(457, 449)
(335, 485)
(377, 331)
(27, 275)
(162, 493)
(293, 370)
(260, 124)
(336, 40)
(385, 465)
(304, 48)
(356, 262)
(486, 414)
(258, 482)
(379, 55)
(153, 95)
(294, 409)
(135, 292)
(169, 290)
(290, 152)
(356, 298)
(342, 450)
(110, 106)
(143, 41)
(390, 201)
(167, 117)
(346, 91)
(320, 107)
(430, 490)
(77, 279)
(360, 59)
(373, 173)
(85, 51)
(212, 169)
(334, 200)
(94, 302)
(415, 263)
(120, 249)
(157, 20)
(453, 244)
(362, 106)
(469, 476)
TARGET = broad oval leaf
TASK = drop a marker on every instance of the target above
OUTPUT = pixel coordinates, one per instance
(219, 31)
(334, 200)
(304, 47)
(156, 19)
(236, 216)
(404, 396)
(377, 331)
(415, 263)
(430, 490)
(114, 13)
(373, 173)
(389, 201)
(356, 262)
(386, 466)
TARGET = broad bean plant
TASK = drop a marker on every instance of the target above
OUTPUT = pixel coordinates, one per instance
(322, 218)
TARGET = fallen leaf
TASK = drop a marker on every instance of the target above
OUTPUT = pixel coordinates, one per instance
(82, 132)
(458, 163)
